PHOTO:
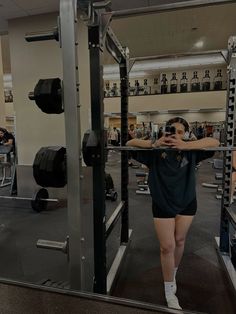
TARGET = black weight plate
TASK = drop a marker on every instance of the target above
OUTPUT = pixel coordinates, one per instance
(114, 196)
(37, 202)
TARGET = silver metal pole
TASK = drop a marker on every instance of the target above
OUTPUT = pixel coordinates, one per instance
(168, 7)
(16, 198)
(68, 37)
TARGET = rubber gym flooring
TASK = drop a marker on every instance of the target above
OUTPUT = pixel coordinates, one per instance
(202, 282)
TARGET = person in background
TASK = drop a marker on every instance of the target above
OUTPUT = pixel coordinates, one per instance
(119, 136)
(131, 132)
(114, 136)
(172, 185)
(131, 135)
(6, 138)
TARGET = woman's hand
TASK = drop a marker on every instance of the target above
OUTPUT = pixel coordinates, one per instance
(175, 142)
(160, 142)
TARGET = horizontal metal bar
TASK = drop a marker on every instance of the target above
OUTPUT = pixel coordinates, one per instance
(29, 199)
(113, 272)
(207, 149)
(31, 289)
(42, 35)
(223, 53)
(52, 245)
(114, 217)
(168, 7)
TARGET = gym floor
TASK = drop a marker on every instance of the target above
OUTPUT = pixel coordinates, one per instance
(202, 282)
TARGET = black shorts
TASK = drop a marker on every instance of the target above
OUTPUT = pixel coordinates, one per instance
(190, 210)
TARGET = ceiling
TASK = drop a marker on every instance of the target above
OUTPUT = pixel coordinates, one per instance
(189, 30)
(10, 9)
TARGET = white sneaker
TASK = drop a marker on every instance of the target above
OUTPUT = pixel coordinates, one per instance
(174, 287)
(173, 302)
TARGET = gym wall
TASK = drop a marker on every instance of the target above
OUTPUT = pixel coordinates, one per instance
(2, 100)
(29, 63)
(190, 117)
(200, 100)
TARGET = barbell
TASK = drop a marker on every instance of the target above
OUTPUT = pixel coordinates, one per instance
(39, 201)
(207, 149)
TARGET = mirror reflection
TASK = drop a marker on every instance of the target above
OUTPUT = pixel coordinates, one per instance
(129, 194)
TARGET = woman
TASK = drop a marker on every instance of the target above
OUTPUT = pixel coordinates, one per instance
(172, 186)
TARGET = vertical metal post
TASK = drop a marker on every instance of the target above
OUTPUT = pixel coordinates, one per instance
(68, 37)
(97, 115)
(124, 77)
(229, 141)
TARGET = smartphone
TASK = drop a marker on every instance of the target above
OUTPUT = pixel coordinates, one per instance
(170, 130)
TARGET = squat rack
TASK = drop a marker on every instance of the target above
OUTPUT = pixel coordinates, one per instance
(100, 34)
(82, 275)
(98, 18)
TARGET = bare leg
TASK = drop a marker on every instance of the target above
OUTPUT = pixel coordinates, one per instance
(165, 229)
(182, 224)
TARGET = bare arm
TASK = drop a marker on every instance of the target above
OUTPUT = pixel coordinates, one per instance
(203, 143)
(198, 144)
(135, 142)
(9, 142)
(175, 143)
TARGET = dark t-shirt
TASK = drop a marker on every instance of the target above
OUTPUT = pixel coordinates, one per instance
(171, 179)
(8, 136)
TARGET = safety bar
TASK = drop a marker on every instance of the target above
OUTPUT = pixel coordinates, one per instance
(113, 219)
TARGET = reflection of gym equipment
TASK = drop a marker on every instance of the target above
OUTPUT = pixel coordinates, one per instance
(7, 165)
(47, 173)
(78, 251)
(88, 270)
(207, 149)
(110, 192)
(142, 178)
(39, 201)
(216, 164)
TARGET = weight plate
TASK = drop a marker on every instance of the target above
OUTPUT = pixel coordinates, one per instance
(38, 202)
